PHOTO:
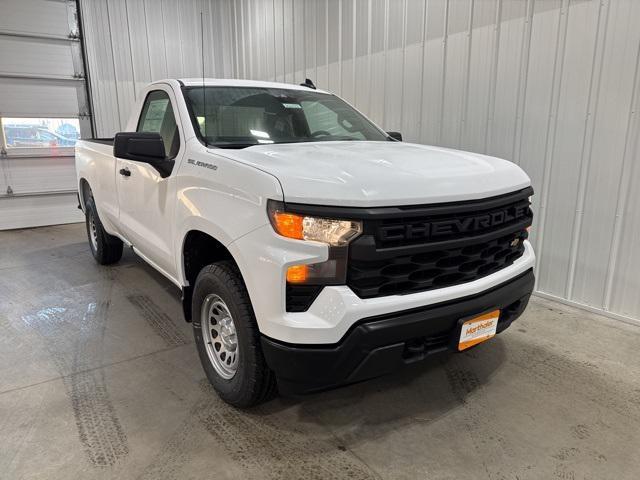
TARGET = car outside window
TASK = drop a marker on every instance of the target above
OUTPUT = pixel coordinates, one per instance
(39, 133)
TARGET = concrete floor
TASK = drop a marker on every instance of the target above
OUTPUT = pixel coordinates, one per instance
(99, 378)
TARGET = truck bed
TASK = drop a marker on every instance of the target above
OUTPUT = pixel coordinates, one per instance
(104, 141)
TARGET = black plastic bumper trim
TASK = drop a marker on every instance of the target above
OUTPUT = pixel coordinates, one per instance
(378, 345)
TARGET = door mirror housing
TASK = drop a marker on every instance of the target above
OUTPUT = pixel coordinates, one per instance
(397, 136)
(143, 147)
(139, 147)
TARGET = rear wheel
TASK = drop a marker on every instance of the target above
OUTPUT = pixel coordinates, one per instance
(105, 248)
(227, 337)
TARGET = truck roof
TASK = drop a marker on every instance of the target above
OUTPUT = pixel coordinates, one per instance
(232, 82)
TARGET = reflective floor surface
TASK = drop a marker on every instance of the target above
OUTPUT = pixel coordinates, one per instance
(99, 378)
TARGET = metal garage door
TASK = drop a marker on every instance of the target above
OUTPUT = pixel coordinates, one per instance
(43, 110)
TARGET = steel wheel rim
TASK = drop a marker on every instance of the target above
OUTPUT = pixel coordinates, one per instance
(93, 232)
(220, 337)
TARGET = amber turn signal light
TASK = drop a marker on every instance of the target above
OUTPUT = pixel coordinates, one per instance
(297, 274)
(288, 225)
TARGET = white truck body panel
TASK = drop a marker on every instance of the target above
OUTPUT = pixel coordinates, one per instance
(349, 173)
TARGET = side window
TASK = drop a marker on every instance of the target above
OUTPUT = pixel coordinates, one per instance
(157, 117)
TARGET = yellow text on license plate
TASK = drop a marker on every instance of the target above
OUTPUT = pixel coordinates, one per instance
(478, 329)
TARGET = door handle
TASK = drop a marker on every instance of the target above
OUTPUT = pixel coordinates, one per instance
(125, 172)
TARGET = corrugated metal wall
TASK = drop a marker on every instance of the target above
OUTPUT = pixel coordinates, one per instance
(130, 43)
(551, 84)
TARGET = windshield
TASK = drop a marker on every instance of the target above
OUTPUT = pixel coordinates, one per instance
(238, 117)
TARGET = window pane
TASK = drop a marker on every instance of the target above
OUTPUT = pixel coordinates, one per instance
(236, 117)
(40, 132)
(156, 111)
(157, 117)
(322, 119)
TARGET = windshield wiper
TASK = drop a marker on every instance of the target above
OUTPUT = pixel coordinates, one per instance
(332, 138)
(233, 145)
(335, 138)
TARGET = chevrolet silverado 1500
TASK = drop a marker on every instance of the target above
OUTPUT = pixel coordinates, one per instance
(312, 248)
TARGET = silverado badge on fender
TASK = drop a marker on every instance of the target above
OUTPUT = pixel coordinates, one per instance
(198, 163)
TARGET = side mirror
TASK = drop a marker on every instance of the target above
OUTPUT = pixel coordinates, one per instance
(139, 147)
(143, 147)
(397, 136)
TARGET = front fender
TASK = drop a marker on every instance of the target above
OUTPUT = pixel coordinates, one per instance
(223, 215)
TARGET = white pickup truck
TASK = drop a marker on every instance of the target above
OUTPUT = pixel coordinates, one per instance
(312, 249)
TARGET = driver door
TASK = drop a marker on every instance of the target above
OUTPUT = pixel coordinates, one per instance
(146, 199)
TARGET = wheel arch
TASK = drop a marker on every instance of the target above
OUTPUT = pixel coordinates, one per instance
(84, 190)
(198, 249)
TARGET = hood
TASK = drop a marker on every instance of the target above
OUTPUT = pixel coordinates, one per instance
(371, 174)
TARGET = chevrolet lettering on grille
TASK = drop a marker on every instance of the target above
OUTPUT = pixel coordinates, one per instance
(443, 228)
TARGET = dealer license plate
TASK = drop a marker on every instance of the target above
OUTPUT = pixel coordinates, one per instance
(478, 330)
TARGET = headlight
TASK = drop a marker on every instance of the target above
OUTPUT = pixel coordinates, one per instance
(336, 233)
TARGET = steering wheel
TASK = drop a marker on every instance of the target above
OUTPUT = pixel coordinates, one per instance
(319, 133)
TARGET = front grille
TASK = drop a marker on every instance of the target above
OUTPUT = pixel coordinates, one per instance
(436, 269)
(414, 249)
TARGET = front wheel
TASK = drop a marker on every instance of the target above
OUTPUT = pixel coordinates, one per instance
(227, 337)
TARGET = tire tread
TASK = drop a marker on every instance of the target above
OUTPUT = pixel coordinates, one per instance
(109, 247)
(263, 386)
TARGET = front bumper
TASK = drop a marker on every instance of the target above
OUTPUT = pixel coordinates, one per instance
(263, 258)
(378, 345)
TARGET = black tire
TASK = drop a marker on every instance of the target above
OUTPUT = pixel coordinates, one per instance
(105, 248)
(253, 382)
